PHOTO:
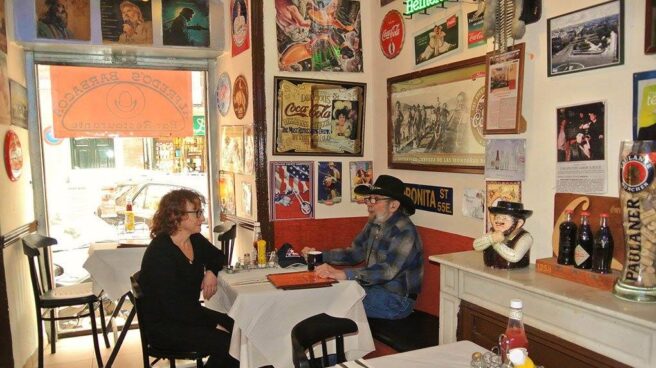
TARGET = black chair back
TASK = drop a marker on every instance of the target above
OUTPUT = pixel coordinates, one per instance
(320, 328)
(227, 239)
(32, 245)
(148, 349)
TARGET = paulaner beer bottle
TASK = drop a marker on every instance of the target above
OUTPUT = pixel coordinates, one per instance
(602, 254)
(567, 240)
(584, 244)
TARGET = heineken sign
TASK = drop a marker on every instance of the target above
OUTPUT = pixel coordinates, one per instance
(414, 6)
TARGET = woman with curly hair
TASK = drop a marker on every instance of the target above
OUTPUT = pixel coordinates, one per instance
(178, 264)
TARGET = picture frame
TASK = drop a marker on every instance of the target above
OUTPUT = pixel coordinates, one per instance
(581, 132)
(504, 86)
(329, 183)
(588, 38)
(438, 39)
(19, 111)
(318, 117)
(496, 191)
(291, 190)
(435, 118)
(644, 114)
(232, 148)
(362, 172)
(244, 196)
(227, 192)
(650, 26)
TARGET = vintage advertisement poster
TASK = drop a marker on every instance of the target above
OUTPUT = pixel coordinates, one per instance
(126, 22)
(18, 104)
(240, 97)
(581, 148)
(496, 191)
(291, 190)
(329, 185)
(319, 117)
(644, 105)
(223, 94)
(319, 35)
(227, 193)
(244, 196)
(362, 173)
(503, 86)
(240, 26)
(249, 150)
(186, 23)
(63, 19)
(392, 34)
(473, 203)
(475, 29)
(438, 39)
(435, 119)
(505, 159)
(232, 148)
(3, 28)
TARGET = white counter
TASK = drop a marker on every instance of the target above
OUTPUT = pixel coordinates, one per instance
(589, 317)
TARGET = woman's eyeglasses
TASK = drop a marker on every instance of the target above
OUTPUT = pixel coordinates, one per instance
(199, 213)
(373, 200)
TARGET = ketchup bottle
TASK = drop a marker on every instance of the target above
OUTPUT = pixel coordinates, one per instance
(515, 335)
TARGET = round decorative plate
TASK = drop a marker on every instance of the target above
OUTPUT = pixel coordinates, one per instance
(13, 155)
(223, 94)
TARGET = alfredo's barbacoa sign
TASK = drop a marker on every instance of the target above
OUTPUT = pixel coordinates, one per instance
(318, 117)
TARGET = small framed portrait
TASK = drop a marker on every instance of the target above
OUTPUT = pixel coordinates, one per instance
(232, 148)
(581, 132)
(329, 186)
(362, 172)
(63, 19)
(589, 38)
(244, 186)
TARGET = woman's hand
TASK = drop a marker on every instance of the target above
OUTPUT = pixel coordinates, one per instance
(209, 285)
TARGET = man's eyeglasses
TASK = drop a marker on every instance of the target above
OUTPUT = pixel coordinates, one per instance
(199, 213)
(374, 200)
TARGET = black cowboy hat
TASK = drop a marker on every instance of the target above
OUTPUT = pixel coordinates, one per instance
(514, 209)
(388, 186)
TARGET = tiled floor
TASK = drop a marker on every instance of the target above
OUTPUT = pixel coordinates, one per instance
(77, 352)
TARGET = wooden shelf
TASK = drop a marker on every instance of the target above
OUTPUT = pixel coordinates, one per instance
(551, 267)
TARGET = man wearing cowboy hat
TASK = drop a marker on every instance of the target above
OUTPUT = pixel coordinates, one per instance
(390, 248)
(508, 244)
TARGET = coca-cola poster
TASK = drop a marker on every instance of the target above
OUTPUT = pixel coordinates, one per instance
(438, 39)
(319, 35)
(318, 117)
(392, 34)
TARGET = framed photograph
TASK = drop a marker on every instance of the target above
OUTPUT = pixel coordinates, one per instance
(496, 191)
(63, 19)
(291, 190)
(435, 118)
(644, 105)
(329, 185)
(126, 22)
(362, 172)
(318, 117)
(18, 95)
(581, 132)
(244, 187)
(650, 26)
(232, 148)
(227, 193)
(588, 38)
(186, 23)
(438, 39)
(503, 88)
(505, 159)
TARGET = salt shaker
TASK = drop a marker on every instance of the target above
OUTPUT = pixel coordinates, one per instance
(477, 360)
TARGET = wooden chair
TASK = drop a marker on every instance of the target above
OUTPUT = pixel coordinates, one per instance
(227, 235)
(149, 350)
(48, 298)
(320, 328)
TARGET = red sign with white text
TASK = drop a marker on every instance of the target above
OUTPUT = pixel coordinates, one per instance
(392, 34)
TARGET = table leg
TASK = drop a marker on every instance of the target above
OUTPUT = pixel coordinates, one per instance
(117, 310)
(124, 331)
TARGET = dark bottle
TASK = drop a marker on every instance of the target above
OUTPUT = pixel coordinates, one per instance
(584, 244)
(567, 240)
(602, 254)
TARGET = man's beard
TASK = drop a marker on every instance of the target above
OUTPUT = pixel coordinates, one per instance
(511, 228)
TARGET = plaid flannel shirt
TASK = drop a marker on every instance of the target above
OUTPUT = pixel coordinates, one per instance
(392, 253)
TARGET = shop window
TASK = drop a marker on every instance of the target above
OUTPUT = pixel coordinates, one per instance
(92, 153)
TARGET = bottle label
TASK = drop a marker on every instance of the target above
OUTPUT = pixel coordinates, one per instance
(580, 255)
(515, 314)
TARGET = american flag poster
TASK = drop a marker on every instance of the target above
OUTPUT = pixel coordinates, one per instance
(291, 190)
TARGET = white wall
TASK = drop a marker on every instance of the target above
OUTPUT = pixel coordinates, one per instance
(541, 97)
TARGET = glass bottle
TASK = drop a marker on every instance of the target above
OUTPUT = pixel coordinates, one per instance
(602, 254)
(129, 217)
(260, 246)
(584, 244)
(515, 336)
(567, 240)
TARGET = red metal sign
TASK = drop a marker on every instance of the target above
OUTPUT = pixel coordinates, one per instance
(13, 155)
(392, 34)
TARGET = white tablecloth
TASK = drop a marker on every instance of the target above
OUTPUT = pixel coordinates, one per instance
(264, 316)
(454, 355)
(111, 268)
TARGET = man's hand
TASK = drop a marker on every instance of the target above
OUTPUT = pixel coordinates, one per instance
(498, 237)
(325, 271)
(306, 250)
(209, 285)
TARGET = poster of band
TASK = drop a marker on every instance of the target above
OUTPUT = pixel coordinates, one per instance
(319, 35)
(291, 190)
(318, 117)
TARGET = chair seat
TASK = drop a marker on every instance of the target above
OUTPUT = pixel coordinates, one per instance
(168, 354)
(69, 295)
(418, 330)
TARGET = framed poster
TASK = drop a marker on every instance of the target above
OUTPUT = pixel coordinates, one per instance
(496, 191)
(227, 193)
(291, 190)
(581, 134)
(126, 22)
(318, 117)
(362, 172)
(63, 19)
(240, 26)
(329, 185)
(438, 39)
(249, 150)
(435, 118)
(244, 187)
(503, 91)
(232, 148)
(186, 23)
(644, 105)
(18, 95)
(589, 38)
(650, 26)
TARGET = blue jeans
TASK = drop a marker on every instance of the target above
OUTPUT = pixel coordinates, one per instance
(380, 303)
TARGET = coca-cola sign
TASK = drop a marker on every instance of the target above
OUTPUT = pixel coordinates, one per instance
(392, 34)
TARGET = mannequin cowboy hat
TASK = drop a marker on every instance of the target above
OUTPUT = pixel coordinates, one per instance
(388, 186)
(514, 209)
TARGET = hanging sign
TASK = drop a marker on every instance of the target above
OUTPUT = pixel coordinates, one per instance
(431, 199)
(13, 155)
(414, 6)
(392, 34)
